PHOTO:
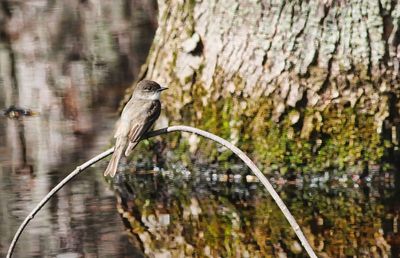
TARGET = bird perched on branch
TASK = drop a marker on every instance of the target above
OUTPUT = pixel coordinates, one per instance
(137, 117)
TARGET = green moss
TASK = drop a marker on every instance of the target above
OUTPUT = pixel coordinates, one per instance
(337, 136)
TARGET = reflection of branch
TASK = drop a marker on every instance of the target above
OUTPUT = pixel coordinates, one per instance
(189, 129)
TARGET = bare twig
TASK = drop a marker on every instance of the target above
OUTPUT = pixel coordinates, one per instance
(53, 191)
(180, 128)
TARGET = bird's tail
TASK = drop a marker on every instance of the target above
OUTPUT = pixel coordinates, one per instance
(130, 147)
(112, 167)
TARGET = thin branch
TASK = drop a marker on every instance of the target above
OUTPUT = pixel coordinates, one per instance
(53, 191)
(180, 128)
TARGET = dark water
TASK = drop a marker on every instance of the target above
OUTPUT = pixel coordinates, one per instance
(71, 66)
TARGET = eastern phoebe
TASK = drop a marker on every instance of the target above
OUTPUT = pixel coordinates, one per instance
(137, 118)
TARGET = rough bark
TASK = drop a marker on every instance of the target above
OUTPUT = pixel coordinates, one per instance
(322, 76)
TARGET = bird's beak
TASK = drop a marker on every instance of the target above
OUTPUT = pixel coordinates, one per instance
(163, 88)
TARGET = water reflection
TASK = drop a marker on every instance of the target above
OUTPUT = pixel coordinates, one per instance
(70, 62)
(60, 59)
(206, 211)
(80, 220)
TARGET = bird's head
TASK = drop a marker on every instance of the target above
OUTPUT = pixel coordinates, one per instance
(148, 90)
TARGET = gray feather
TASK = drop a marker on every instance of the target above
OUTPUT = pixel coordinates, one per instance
(113, 164)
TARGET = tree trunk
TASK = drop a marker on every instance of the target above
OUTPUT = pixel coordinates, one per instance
(320, 76)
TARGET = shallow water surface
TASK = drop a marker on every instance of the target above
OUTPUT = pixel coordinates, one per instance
(81, 220)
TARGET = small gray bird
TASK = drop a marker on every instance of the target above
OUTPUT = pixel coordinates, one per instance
(137, 118)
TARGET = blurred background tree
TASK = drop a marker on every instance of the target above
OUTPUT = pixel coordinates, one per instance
(62, 60)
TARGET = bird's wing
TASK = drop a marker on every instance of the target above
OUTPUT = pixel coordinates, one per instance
(143, 122)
